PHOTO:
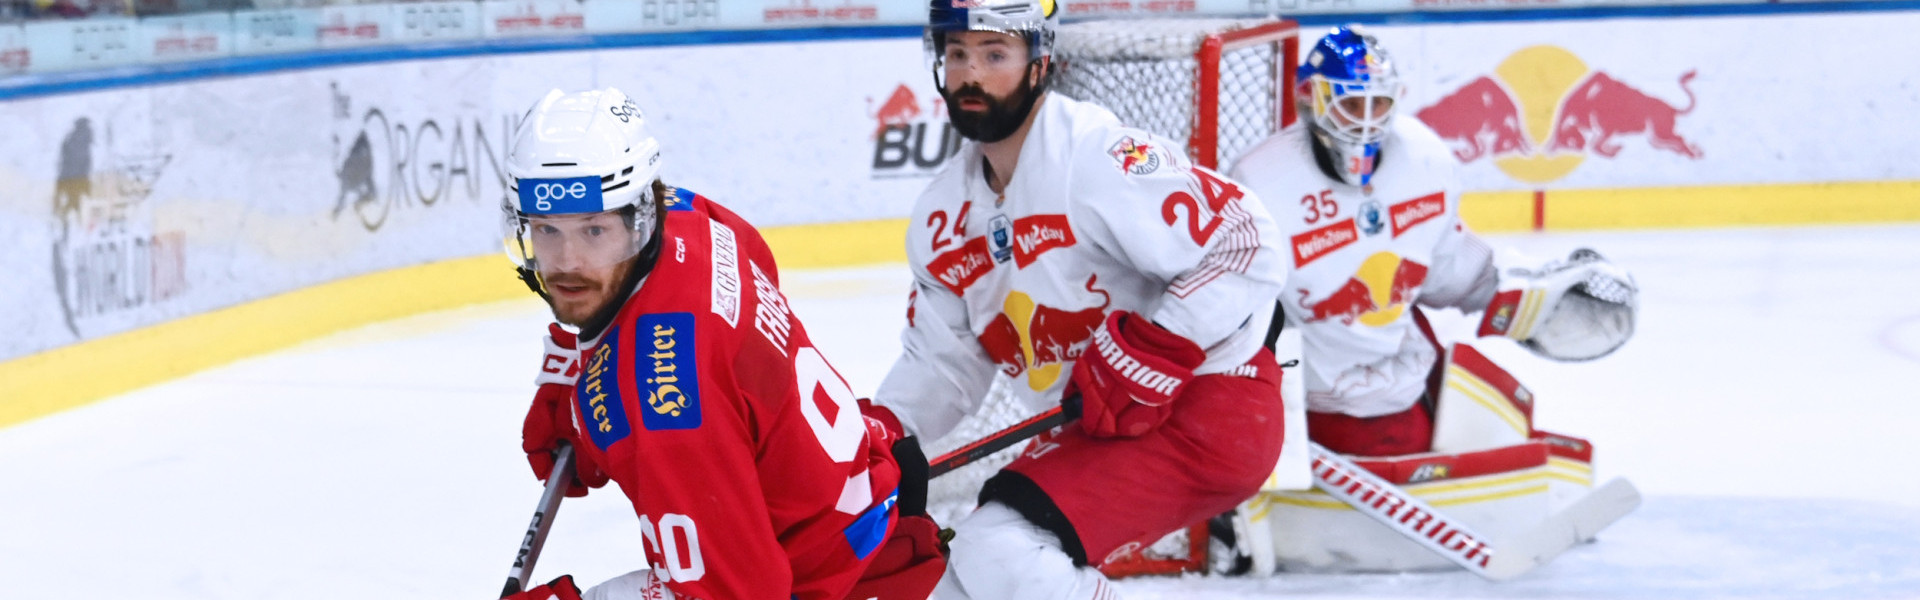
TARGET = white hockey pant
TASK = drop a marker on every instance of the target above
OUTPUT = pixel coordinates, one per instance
(638, 585)
(999, 555)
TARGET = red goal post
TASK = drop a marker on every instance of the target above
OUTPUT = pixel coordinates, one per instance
(1219, 86)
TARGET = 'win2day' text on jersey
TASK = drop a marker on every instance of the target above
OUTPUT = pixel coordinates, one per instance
(1097, 217)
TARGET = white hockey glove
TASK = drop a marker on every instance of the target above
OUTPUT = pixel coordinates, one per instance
(1580, 308)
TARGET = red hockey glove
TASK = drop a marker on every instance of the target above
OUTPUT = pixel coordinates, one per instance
(1130, 374)
(550, 419)
(561, 588)
(907, 566)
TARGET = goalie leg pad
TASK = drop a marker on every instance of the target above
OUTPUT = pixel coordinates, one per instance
(1481, 406)
(1498, 492)
(1215, 450)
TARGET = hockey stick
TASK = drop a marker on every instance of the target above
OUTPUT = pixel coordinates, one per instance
(1451, 539)
(536, 537)
(996, 441)
(1394, 507)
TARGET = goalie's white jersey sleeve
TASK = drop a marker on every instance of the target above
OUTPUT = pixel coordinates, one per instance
(1361, 258)
(1098, 217)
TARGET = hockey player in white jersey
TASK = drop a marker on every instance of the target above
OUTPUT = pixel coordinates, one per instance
(1096, 263)
(1369, 203)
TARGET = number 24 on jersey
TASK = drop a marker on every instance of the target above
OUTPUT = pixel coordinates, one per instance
(1201, 219)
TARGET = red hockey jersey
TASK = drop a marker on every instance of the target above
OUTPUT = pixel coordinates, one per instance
(742, 450)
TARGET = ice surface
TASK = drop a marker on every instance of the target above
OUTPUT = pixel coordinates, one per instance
(1767, 407)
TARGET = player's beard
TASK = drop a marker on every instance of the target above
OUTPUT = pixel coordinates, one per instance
(577, 298)
(1002, 117)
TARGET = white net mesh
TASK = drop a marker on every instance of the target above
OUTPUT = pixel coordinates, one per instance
(1147, 73)
(951, 496)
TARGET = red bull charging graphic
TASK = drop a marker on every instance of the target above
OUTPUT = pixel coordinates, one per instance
(1375, 296)
(1543, 111)
(1039, 340)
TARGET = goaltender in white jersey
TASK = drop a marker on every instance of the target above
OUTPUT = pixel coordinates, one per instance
(1361, 260)
(1369, 205)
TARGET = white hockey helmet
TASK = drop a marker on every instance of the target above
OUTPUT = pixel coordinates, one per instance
(1032, 20)
(576, 157)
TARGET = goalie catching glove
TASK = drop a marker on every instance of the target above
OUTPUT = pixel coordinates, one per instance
(1129, 376)
(1580, 308)
(550, 419)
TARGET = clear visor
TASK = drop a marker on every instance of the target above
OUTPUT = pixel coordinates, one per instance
(572, 243)
(934, 42)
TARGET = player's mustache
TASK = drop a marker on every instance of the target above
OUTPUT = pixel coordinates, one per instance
(569, 279)
(972, 91)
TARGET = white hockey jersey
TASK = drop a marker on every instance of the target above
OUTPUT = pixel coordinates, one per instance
(1361, 260)
(1098, 217)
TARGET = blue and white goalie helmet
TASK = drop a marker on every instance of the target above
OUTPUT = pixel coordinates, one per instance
(1032, 20)
(583, 168)
(1350, 86)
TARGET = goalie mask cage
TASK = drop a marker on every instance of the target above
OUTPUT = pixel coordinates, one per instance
(1211, 84)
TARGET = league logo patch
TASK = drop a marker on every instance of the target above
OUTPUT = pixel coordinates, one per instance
(668, 369)
(1430, 472)
(598, 397)
(1134, 157)
(1371, 220)
(1002, 238)
(679, 200)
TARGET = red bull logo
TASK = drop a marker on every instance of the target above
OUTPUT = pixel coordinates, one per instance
(910, 139)
(1375, 296)
(1543, 111)
(899, 109)
(1134, 157)
(1039, 340)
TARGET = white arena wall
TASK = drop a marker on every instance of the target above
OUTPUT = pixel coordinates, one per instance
(141, 218)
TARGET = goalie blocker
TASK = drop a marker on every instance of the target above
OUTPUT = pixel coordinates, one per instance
(1489, 470)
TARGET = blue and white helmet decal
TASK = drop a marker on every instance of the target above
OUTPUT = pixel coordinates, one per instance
(1352, 88)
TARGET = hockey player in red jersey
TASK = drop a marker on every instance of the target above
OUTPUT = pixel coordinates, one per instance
(692, 385)
(1094, 263)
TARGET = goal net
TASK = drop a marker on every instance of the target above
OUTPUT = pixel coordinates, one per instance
(1211, 84)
